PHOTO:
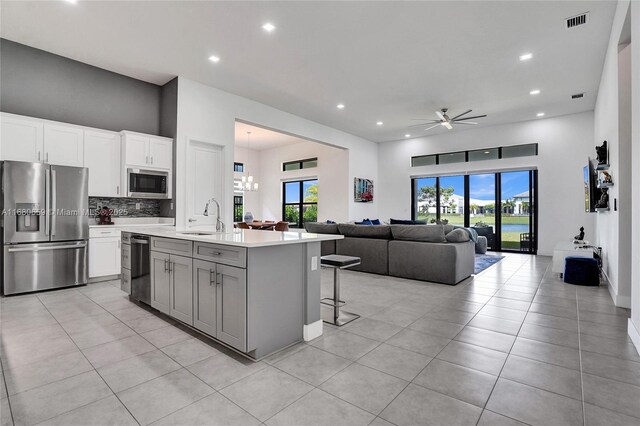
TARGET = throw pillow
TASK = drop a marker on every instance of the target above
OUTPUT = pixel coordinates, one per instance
(376, 222)
(426, 233)
(407, 222)
(364, 222)
(458, 236)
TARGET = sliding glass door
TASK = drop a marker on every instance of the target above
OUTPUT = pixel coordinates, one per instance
(516, 208)
(482, 206)
(499, 206)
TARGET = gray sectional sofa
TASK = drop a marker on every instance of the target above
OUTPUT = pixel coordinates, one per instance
(419, 252)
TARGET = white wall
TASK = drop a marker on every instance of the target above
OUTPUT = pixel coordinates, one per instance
(612, 123)
(564, 144)
(332, 172)
(208, 115)
(634, 323)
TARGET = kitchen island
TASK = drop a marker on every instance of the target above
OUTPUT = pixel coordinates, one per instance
(255, 291)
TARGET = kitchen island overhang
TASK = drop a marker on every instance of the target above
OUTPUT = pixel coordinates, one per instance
(255, 291)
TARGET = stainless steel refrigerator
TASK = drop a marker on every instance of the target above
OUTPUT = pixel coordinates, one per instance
(45, 226)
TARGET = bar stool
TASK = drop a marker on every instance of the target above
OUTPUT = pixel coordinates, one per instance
(337, 262)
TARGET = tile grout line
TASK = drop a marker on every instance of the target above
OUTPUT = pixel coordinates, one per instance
(87, 359)
(509, 353)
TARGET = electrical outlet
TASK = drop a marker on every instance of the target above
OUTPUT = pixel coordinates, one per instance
(137, 206)
(314, 263)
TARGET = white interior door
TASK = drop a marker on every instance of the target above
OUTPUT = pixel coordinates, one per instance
(205, 180)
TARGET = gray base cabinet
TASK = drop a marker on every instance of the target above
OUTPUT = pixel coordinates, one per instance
(220, 302)
(172, 285)
(231, 323)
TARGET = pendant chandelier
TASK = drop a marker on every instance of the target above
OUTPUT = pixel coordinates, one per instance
(247, 179)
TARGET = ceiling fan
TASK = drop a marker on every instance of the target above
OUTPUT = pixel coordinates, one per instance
(446, 121)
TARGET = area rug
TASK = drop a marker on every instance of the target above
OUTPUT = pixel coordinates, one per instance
(483, 261)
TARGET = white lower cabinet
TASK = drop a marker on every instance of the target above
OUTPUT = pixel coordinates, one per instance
(104, 256)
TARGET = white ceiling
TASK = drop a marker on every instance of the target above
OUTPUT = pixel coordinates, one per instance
(389, 61)
(261, 138)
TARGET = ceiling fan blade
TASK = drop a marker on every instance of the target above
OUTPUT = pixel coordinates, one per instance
(466, 122)
(460, 115)
(440, 115)
(471, 118)
(447, 125)
(429, 128)
(425, 124)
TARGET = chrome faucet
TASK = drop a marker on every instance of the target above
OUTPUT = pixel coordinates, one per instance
(219, 222)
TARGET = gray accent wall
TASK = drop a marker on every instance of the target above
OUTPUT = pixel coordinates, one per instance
(40, 84)
(169, 129)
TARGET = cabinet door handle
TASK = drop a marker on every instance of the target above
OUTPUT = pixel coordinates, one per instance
(46, 157)
(212, 277)
(38, 155)
(146, 160)
(215, 253)
(118, 189)
(152, 159)
(166, 268)
(218, 278)
(171, 265)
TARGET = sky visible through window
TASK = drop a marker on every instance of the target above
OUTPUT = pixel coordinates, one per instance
(482, 187)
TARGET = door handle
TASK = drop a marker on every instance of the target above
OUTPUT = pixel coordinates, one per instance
(139, 241)
(46, 157)
(47, 200)
(38, 155)
(170, 264)
(118, 189)
(166, 268)
(212, 277)
(218, 277)
(192, 220)
(46, 248)
(146, 160)
(54, 200)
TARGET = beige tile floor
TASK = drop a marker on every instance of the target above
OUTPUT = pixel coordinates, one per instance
(513, 345)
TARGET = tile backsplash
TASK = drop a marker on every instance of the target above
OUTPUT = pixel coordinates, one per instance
(126, 207)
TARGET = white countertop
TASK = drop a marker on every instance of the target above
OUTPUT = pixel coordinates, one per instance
(119, 222)
(237, 237)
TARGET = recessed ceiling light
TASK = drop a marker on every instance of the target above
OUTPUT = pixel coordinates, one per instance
(526, 56)
(535, 92)
(269, 27)
(214, 58)
(540, 114)
(379, 123)
(340, 106)
(487, 152)
(407, 135)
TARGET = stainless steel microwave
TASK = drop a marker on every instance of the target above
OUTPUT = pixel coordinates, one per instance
(147, 183)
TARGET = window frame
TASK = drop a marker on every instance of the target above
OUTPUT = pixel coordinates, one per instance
(238, 167)
(300, 163)
(300, 204)
(237, 204)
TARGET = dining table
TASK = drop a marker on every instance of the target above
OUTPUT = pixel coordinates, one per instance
(265, 226)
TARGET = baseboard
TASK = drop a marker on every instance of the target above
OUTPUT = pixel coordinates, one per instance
(634, 334)
(312, 331)
(619, 301)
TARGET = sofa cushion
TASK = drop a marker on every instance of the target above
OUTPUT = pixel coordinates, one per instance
(457, 236)
(364, 231)
(407, 222)
(425, 233)
(447, 228)
(321, 228)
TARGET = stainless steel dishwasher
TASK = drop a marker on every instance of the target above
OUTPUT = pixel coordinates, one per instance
(140, 275)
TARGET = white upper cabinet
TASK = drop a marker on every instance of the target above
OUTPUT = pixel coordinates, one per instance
(149, 152)
(102, 157)
(63, 144)
(160, 152)
(21, 138)
(136, 150)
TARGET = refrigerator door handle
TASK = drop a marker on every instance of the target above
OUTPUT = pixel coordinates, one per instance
(45, 248)
(54, 202)
(47, 200)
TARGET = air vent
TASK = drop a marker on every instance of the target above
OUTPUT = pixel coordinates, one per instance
(576, 21)
(577, 96)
